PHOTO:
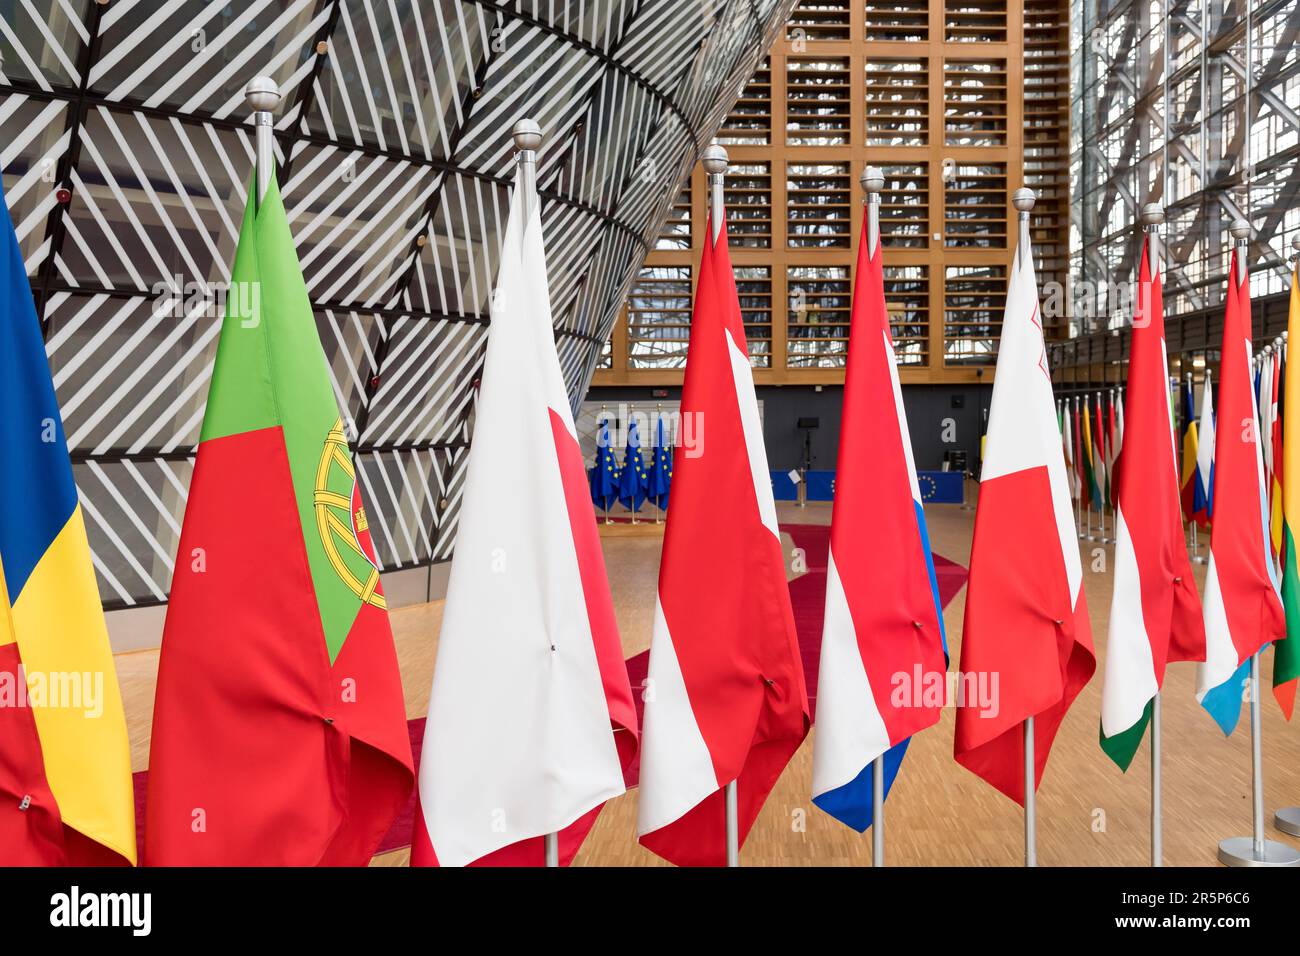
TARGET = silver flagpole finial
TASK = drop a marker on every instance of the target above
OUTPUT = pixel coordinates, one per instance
(872, 179)
(1295, 244)
(1153, 214)
(714, 159)
(1023, 199)
(1240, 230)
(527, 135)
(262, 94)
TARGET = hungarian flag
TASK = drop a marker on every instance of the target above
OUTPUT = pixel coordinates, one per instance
(531, 721)
(1286, 653)
(65, 764)
(725, 698)
(1187, 476)
(1155, 614)
(279, 729)
(1026, 617)
(883, 619)
(1243, 609)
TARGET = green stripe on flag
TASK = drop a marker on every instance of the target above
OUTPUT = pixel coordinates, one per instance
(1123, 746)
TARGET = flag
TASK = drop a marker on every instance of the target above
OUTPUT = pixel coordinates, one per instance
(531, 721)
(1243, 610)
(661, 469)
(1080, 464)
(1274, 440)
(65, 764)
(883, 619)
(1112, 450)
(604, 477)
(1205, 441)
(279, 729)
(1067, 442)
(1155, 614)
(1099, 455)
(1187, 478)
(725, 698)
(1026, 618)
(632, 480)
(1092, 497)
(1286, 653)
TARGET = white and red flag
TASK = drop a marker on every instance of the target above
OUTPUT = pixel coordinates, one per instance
(1026, 637)
(531, 721)
(1243, 607)
(725, 697)
(883, 619)
(1155, 614)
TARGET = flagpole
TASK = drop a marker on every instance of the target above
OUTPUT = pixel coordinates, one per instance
(528, 137)
(262, 95)
(1254, 850)
(1192, 521)
(714, 159)
(873, 181)
(1153, 215)
(1023, 200)
(1078, 468)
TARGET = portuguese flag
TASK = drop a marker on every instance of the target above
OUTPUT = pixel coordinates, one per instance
(279, 730)
(1286, 653)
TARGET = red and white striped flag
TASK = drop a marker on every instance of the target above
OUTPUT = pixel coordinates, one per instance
(1026, 624)
(725, 697)
(531, 721)
(1155, 614)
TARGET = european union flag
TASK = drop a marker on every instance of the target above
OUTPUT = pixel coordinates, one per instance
(632, 480)
(661, 469)
(604, 477)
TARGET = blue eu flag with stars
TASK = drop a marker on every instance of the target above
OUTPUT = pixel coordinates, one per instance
(632, 480)
(604, 477)
(661, 469)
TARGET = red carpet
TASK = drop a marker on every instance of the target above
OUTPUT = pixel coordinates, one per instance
(807, 599)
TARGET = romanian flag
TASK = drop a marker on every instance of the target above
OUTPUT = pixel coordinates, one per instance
(1286, 653)
(279, 730)
(65, 765)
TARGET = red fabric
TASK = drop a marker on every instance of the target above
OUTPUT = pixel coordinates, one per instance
(256, 757)
(1019, 626)
(609, 657)
(1255, 615)
(1148, 494)
(723, 591)
(891, 603)
(33, 836)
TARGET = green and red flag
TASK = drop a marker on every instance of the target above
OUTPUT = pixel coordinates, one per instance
(279, 731)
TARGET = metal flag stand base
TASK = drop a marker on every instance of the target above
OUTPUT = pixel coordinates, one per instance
(1256, 850)
(1288, 820)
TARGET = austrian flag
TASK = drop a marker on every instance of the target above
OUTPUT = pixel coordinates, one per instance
(725, 699)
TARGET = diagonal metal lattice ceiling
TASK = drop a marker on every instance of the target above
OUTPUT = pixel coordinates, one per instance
(126, 152)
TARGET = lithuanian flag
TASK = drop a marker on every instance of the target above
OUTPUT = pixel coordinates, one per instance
(1286, 653)
(65, 765)
(279, 732)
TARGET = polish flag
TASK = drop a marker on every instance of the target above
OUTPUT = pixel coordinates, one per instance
(1155, 614)
(1243, 609)
(883, 619)
(1026, 623)
(531, 721)
(725, 697)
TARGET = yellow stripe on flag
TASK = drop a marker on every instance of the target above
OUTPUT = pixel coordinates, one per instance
(7, 635)
(61, 635)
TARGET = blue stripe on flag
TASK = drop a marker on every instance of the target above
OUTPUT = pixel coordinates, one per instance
(851, 803)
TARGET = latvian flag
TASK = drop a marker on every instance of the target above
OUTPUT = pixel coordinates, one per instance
(1026, 623)
(883, 619)
(1243, 610)
(1155, 614)
(531, 722)
(725, 697)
